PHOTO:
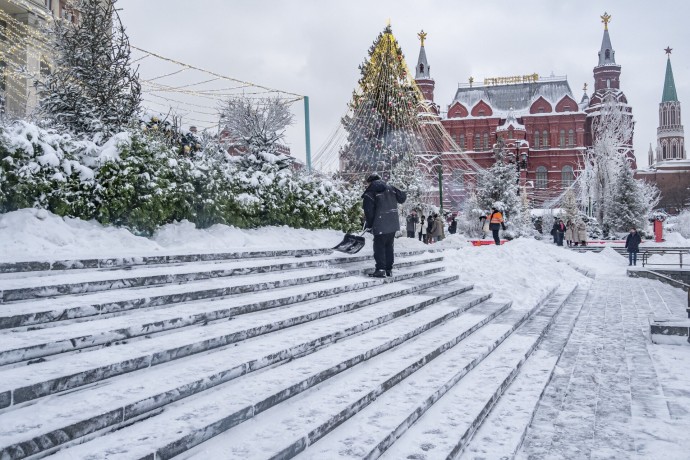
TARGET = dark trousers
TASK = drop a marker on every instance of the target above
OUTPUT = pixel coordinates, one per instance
(383, 251)
(420, 236)
(497, 240)
(559, 238)
(410, 234)
(632, 258)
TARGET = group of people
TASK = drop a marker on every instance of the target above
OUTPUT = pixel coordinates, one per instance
(380, 204)
(429, 230)
(573, 234)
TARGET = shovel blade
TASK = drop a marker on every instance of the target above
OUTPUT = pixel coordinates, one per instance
(351, 244)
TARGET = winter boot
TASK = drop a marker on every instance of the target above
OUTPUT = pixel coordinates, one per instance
(378, 274)
(389, 272)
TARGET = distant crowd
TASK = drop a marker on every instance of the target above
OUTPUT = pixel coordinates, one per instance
(429, 229)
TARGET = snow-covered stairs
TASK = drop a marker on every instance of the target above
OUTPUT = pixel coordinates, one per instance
(66, 377)
(270, 358)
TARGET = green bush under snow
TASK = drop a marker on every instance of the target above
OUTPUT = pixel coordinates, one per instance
(135, 180)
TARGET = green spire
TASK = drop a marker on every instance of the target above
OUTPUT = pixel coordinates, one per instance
(669, 84)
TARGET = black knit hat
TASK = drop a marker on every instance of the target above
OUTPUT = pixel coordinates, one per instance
(372, 177)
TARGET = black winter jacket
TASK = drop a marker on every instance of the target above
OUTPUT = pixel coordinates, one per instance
(632, 242)
(380, 203)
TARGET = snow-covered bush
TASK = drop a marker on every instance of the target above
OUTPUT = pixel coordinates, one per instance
(41, 168)
(680, 223)
(138, 181)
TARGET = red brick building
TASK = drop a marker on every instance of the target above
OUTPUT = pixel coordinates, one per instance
(542, 124)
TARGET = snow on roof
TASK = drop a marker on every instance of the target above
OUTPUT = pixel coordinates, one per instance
(518, 97)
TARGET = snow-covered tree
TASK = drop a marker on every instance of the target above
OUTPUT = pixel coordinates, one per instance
(468, 219)
(627, 209)
(92, 87)
(570, 206)
(499, 184)
(612, 131)
(256, 126)
(523, 225)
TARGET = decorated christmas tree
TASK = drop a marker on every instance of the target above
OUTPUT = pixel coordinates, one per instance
(382, 121)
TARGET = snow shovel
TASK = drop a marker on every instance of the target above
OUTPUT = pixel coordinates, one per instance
(351, 244)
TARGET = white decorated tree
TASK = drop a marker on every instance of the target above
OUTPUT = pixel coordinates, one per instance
(612, 131)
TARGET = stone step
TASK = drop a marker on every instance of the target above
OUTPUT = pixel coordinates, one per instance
(66, 372)
(376, 393)
(180, 427)
(242, 388)
(110, 262)
(444, 430)
(33, 344)
(18, 286)
(46, 311)
(503, 431)
(380, 424)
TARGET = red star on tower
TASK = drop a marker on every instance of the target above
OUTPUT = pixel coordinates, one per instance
(668, 50)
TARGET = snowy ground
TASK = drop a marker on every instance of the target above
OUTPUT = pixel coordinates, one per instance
(613, 394)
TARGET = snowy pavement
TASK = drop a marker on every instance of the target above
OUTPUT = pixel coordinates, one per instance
(607, 398)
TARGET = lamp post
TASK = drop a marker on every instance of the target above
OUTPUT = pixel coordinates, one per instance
(440, 185)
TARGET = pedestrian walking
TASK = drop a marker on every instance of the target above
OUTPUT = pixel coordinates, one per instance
(582, 233)
(559, 228)
(380, 203)
(436, 229)
(429, 229)
(632, 244)
(421, 229)
(570, 233)
(453, 227)
(495, 224)
(412, 221)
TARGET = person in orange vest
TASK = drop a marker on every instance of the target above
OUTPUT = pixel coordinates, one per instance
(496, 223)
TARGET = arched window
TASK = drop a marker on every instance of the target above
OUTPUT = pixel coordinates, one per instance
(421, 68)
(542, 177)
(561, 138)
(663, 150)
(536, 139)
(486, 141)
(571, 138)
(567, 176)
(545, 141)
(462, 141)
(607, 54)
(477, 141)
(608, 82)
(673, 117)
(674, 150)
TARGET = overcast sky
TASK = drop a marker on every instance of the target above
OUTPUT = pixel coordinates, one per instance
(313, 47)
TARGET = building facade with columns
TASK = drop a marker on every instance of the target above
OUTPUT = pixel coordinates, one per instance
(669, 167)
(544, 126)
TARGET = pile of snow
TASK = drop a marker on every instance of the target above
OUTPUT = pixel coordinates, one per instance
(33, 234)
